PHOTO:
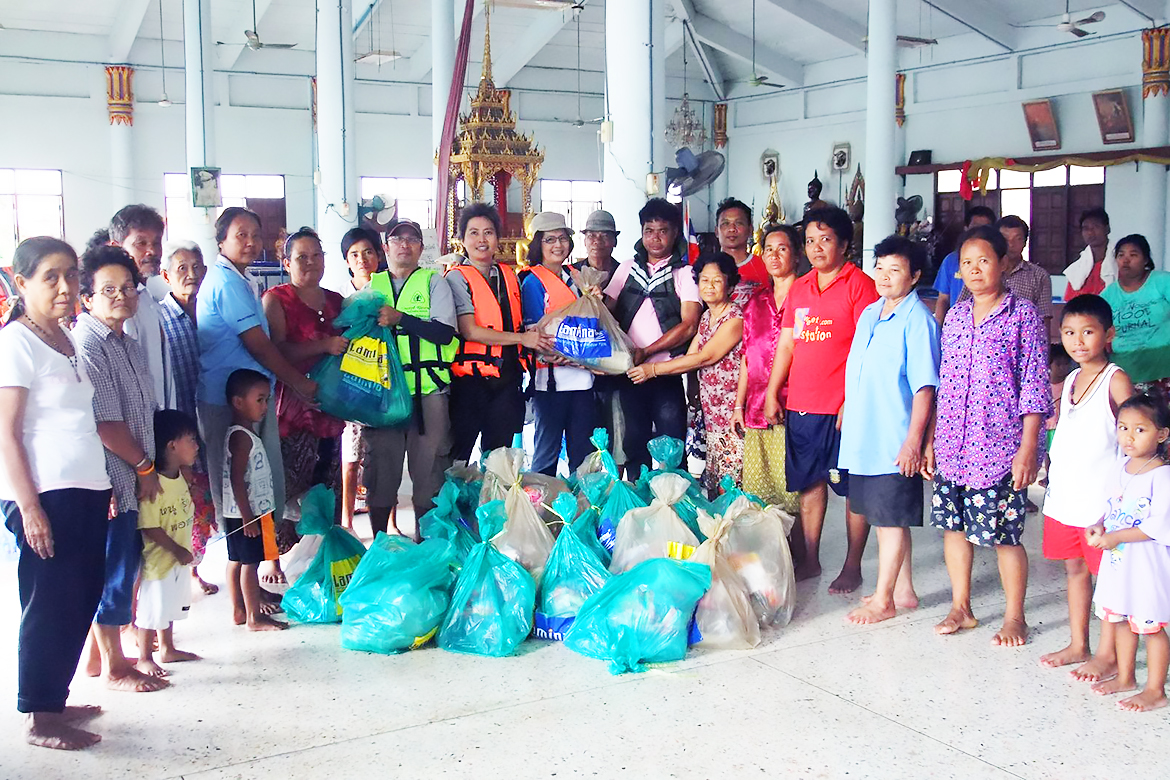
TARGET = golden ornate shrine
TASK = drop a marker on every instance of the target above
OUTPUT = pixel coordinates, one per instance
(488, 150)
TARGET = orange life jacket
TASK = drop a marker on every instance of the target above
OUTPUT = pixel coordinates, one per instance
(558, 293)
(472, 357)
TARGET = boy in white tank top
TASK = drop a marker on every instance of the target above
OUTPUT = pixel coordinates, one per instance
(1084, 454)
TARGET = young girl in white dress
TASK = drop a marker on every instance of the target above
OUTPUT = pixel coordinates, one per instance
(1133, 588)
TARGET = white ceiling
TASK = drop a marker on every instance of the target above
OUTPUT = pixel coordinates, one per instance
(540, 45)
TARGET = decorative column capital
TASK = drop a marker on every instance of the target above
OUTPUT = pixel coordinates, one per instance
(1155, 62)
(900, 98)
(720, 125)
(120, 94)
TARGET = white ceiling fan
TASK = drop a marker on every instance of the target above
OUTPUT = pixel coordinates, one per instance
(1067, 25)
(253, 37)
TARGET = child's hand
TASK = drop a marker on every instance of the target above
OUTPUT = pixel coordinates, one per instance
(1094, 534)
(252, 528)
(909, 460)
(1024, 467)
(184, 557)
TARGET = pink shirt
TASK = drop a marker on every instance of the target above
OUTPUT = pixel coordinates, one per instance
(644, 329)
(761, 332)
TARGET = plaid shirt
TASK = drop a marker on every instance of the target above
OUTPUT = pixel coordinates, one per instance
(183, 349)
(1030, 282)
(123, 391)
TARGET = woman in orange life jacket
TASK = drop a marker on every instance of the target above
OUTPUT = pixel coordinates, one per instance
(562, 394)
(486, 400)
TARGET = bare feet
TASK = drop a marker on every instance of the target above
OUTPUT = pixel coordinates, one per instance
(269, 607)
(93, 658)
(871, 612)
(807, 571)
(1013, 633)
(208, 588)
(1143, 702)
(149, 667)
(1114, 685)
(1095, 670)
(1069, 655)
(177, 656)
(901, 601)
(134, 681)
(239, 616)
(49, 730)
(847, 581)
(75, 713)
(956, 620)
(271, 574)
(265, 623)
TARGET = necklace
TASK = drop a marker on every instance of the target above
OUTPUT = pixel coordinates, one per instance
(52, 343)
(1125, 484)
(1073, 399)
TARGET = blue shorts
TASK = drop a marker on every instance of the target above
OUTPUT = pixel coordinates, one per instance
(987, 517)
(123, 556)
(812, 444)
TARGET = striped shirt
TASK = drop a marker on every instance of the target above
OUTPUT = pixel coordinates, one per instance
(123, 391)
(183, 348)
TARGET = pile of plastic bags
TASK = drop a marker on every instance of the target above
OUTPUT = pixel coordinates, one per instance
(313, 598)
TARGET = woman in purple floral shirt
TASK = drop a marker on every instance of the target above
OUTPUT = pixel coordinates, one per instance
(993, 397)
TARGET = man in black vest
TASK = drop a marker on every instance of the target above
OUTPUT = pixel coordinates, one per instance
(656, 301)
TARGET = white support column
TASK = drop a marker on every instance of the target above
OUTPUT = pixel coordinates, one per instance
(1155, 132)
(122, 190)
(198, 72)
(879, 158)
(442, 66)
(337, 193)
(636, 92)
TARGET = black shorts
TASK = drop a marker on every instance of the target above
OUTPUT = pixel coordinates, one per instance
(242, 548)
(887, 500)
(812, 443)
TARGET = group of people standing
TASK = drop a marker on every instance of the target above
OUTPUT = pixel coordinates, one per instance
(828, 380)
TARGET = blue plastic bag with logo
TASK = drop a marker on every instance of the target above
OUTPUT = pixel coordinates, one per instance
(641, 616)
(398, 596)
(444, 522)
(366, 384)
(585, 333)
(313, 598)
(491, 608)
(573, 574)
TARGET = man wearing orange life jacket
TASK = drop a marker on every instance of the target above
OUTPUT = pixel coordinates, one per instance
(486, 400)
(562, 394)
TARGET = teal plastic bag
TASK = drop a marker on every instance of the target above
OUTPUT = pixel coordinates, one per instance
(622, 499)
(573, 574)
(599, 460)
(595, 487)
(491, 608)
(730, 492)
(469, 480)
(398, 596)
(584, 526)
(313, 597)
(641, 616)
(445, 522)
(668, 453)
(366, 384)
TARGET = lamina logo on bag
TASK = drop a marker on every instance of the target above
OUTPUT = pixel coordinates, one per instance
(582, 338)
(549, 627)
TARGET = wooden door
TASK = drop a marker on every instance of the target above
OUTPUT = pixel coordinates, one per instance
(272, 218)
(1081, 198)
(1048, 236)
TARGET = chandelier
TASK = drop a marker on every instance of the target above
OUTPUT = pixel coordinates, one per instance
(684, 128)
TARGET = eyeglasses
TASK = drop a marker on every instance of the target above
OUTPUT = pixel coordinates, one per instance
(400, 240)
(111, 292)
(550, 240)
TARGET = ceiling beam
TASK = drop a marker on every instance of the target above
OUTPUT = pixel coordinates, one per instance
(685, 11)
(721, 37)
(419, 64)
(229, 54)
(825, 19)
(126, 25)
(507, 63)
(365, 16)
(1152, 10)
(979, 19)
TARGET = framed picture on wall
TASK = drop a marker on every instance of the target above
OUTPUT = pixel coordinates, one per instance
(1041, 122)
(1113, 116)
(205, 188)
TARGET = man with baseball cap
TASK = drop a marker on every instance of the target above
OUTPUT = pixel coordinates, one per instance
(421, 313)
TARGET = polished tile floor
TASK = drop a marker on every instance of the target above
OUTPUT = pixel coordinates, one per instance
(818, 699)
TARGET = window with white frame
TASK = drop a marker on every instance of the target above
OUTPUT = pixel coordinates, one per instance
(415, 197)
(31, 204)
(576, 200)
(235, 190)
